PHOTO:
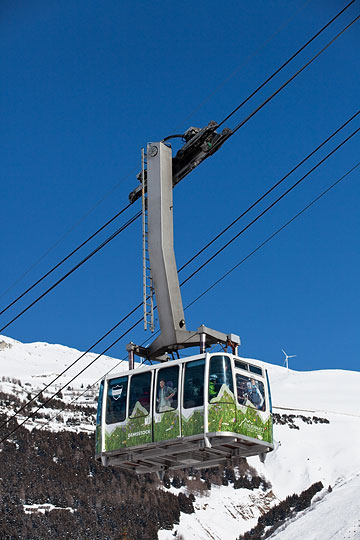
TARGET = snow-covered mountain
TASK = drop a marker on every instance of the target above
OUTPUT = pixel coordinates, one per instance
(316, 451)
(317, 439)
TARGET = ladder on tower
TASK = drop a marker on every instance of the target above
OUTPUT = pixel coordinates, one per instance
(148, 289)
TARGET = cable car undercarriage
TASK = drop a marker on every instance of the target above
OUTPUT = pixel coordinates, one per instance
(182, 453)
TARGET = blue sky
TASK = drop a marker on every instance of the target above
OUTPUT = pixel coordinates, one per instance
(86, 84)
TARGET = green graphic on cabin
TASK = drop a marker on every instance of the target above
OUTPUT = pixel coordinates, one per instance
(166, 425)
(224, 415)
(194, 424)
(227, 415)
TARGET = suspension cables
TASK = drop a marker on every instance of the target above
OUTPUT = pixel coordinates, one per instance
(228, 136)
(217, 236)
(62, 388)
(103, 244)
(286, 63)
(72, 364)
(65, 259)
(247, 59)
(236, 236)
(270, 206)
(76, 398)
(269, 238)
(300, 70)
(268, 192)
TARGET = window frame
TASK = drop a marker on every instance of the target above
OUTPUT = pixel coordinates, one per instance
(100, 403)
(108, 382)
(186, 364)
(129, 415)
(256, 370)
(213, 357)
(257, 379)
(157, 381)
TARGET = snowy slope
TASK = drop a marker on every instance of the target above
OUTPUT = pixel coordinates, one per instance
(317, 451)
(39, 363)
(28, 368)
(327, 452)
(334, 515)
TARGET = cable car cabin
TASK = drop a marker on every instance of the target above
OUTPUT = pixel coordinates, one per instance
(194, 412)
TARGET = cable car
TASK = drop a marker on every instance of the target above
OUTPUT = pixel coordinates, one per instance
(193, 412)
(196, 411)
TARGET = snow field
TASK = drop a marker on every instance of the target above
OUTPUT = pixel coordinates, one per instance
(315, 452)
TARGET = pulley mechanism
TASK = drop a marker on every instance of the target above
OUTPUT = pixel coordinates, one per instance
(199, 145)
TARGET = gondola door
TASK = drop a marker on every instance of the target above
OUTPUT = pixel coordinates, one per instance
(167, 424)
(221, 408)
(192, 414)
(140, 413)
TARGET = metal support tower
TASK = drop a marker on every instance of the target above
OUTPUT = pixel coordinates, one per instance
(157, 181)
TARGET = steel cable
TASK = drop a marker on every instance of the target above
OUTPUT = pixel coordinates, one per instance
(65, 258)
(98, 248)
(286, 63)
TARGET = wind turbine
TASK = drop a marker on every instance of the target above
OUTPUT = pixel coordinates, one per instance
(286, 362)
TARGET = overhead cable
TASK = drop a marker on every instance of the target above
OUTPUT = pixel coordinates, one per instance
(286, 63)
(65, 258)
(225, 119)
(251, 223)
(118, 183)
(269, 207)
(249, 57)
(269, 238)
(96, 250)
(285, 84)
(66, 234)
(76, 398)
(18, 411)
(32, 414)
(268, 191)
(220, 250)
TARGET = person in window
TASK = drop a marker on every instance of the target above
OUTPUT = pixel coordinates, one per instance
(241, 390)
(254, 394)
(165, 396)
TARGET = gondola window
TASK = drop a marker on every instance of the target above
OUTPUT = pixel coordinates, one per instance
(139, 401)
(220, 377)
(167, 389)
(250, 392)
(116, 400)
(194, 384)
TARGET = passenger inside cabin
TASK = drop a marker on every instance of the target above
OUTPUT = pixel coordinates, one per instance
(220, 377)
(241, 390)
(254, 394)
(166, 393)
